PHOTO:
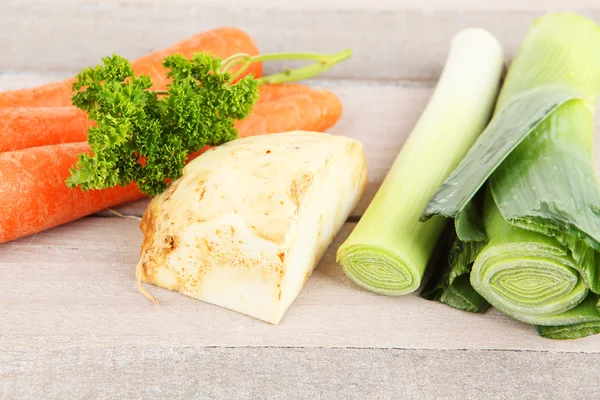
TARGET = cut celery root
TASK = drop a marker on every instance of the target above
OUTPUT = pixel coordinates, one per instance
(248, 221)
(389, 249)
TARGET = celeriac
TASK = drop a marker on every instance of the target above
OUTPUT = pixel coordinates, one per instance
(248, 221)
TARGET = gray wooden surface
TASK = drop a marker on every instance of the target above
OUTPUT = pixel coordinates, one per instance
(73, 325)
(194, 372)
(391, 39)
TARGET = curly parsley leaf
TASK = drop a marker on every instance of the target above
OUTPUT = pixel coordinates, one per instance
(145, 137)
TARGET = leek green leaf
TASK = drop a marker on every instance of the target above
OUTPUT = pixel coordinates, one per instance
(588, 322)
(509, 127)
(450, 284)
(468, 223)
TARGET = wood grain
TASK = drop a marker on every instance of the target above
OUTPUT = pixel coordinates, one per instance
(391, 40)
(368, 5)
(76, 284)
(171, 372)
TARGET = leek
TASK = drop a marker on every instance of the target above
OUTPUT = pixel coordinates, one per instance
(539, 261)
(389, 249)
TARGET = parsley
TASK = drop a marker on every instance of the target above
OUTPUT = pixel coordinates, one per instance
(144, 136)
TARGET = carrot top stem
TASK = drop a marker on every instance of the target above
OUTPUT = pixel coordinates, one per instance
(322, 64)
(234, 59)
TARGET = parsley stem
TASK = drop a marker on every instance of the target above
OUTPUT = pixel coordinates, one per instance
(322, 64)
(233, 60)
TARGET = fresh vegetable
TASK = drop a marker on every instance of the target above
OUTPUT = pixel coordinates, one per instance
(34, 197)
(221, 42)
(275, 92)
(532, 234)
(282, 108)
(389, 248)
(144, 136)
(21, 128)
(248, 221)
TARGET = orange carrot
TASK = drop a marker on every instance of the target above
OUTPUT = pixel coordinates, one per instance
(275, 92)
(289, 108)
(34, 197)
(314, 110)
(33, 194)
(21, 128)
(222, 42)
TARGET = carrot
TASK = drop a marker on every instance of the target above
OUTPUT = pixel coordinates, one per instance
(34, 197)
(33, 194)
(21, 128)
(314, 110)
(275, 92)
(222, 42)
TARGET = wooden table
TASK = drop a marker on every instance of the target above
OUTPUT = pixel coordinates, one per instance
(73, 325)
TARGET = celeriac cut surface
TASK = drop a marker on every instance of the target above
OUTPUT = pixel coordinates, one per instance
(249, 220)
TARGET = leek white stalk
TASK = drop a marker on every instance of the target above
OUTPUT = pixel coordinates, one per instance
(389, 249)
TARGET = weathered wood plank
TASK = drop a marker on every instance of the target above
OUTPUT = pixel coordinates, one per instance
(169, 372)
(397, 40)
(370, 5)
(75, 284)
(12, 80)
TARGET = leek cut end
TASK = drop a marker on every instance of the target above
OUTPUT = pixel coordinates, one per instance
(378, 270)
(526, 282)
